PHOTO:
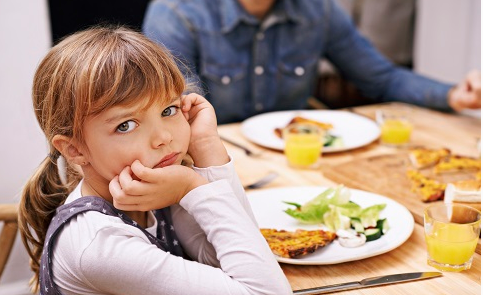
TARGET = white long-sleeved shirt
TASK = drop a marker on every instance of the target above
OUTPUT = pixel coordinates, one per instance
(99, 254)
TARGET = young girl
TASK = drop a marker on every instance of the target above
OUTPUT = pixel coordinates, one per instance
(110, 104)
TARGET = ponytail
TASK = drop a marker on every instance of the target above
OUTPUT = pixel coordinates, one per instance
(41, 196)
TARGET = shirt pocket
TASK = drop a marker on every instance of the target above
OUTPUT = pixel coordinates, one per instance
(227, 88)
(223, 74)
(296, 78)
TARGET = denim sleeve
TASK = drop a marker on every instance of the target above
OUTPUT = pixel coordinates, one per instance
(376, 77)
(165, 24)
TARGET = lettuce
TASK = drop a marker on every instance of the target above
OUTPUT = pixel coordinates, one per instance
(334, 209)
(313, 211)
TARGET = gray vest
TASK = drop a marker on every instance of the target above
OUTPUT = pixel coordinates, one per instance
(168, 241)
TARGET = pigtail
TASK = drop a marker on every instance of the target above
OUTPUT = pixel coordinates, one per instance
(42, 194)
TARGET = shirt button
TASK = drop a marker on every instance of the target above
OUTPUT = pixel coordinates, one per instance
(299, 71)
(259, 70)
(225, 80)
(260, 36)
(259, 106)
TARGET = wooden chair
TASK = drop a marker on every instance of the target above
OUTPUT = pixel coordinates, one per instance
(8, 216)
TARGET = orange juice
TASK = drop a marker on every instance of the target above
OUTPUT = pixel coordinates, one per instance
(396, 131)
(303, 145)
(303, 149)
(451, 246)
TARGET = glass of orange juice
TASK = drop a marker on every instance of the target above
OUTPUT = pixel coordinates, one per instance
(303, 145)
(395, 127)
(452, 232)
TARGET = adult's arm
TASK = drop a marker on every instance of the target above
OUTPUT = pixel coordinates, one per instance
(376, 77)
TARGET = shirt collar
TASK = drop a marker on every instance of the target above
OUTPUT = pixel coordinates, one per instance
(232, 14)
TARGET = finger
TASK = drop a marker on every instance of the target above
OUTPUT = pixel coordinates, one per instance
(144, 173)
(115, 187)
(469, 100)
(125, 177)
(473, 81)
(186, 103)
(130, 183)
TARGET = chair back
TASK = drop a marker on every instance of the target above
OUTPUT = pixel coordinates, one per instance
(8, 216)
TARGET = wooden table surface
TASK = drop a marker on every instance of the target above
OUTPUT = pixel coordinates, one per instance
(379, 169)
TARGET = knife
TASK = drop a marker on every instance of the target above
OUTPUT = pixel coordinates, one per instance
(370, 282)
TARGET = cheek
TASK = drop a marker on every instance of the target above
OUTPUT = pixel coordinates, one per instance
(109, 161)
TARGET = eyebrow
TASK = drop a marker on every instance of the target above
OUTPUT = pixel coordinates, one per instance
(124, 115)
(119, 117)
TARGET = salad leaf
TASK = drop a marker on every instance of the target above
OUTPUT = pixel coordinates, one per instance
(313, 211)
(370, 215)
(335, 220)
(334, 209)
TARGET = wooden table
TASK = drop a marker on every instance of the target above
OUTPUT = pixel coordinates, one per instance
(353, 168)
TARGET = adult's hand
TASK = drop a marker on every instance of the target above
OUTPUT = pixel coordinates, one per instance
(467, 94)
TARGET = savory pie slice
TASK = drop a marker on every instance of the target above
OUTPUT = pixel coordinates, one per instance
(298, 119)
(457, 163)
(428, 189)
(423, 157)
(294, 244)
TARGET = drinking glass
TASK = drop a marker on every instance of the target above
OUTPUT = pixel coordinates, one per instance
(396, 128)
(303, 145)
(452, 232)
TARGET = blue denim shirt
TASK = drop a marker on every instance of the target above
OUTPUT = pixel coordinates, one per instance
(248, 66)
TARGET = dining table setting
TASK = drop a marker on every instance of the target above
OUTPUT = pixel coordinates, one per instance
(372, 170)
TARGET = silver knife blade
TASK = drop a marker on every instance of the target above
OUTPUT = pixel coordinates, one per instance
(370, 282)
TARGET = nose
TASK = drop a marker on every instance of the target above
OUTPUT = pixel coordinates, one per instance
(160, 136)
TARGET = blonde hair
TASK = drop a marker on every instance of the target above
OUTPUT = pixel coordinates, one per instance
(83, 75)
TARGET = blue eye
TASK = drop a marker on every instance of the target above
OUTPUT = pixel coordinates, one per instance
(126, 126)
(170, 111)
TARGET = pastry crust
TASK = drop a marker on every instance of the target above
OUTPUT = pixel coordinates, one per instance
(428, 189)
(457, 163)
(423, 157)
(295, 244)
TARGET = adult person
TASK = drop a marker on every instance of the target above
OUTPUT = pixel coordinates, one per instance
(255, 56)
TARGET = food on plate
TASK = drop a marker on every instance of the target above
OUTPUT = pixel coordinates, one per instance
(422, 157)
(456, 163)
(428, 189)
(333, 209)
(298, 243)
(329, 139)
(298, 119)
(350, 239)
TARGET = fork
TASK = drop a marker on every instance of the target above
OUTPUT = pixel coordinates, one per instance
(248, 151)
(262, 181)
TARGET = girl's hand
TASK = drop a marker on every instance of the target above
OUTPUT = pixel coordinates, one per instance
(139, 188)
(205, 147)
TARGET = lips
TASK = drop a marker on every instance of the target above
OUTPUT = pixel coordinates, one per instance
(167, 160)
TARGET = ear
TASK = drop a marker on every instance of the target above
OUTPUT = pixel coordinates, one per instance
(71, 150)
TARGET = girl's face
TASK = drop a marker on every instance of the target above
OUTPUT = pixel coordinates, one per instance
(157, 136)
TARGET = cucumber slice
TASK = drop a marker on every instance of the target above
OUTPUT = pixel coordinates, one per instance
(372, 234)
(356, 224)
(383, 225)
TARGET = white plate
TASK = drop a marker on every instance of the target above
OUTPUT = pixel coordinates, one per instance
(268, 207)
(355, 130)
